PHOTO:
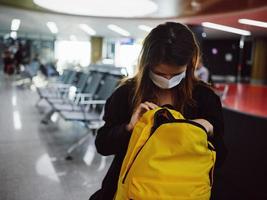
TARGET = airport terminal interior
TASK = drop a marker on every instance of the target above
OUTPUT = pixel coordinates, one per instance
(61, 60)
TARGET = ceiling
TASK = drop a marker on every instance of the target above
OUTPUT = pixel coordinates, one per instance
(226, 12)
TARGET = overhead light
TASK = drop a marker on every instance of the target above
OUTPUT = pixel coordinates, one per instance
(196, 5)
(52, 27)
(119, 30)
(101, 8)
(226, 28)
(87, 29)
(253, 22)
(203, 34)
(13, 35)
(73, 38)
(15, 24)
(145, 28)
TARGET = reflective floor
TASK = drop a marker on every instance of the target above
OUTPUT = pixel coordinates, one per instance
(32, 155)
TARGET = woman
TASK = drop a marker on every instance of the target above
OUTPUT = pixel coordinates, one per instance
(165, 76)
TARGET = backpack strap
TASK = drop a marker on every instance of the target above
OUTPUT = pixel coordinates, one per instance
(163, 116)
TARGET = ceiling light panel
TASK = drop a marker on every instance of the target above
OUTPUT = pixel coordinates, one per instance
(226, 28)
(73, 38)
(15, 24)
(118, 30)
(52, 27)
(253, 22)
(145, 28)
(87, 29)
(102, 8)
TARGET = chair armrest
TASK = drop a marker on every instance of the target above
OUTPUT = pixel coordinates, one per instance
(58, 85)
(93, 102)
(96, 124)
(81, 97)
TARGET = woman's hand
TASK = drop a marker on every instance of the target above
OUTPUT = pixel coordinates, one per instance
(207, 125)
(141, 109)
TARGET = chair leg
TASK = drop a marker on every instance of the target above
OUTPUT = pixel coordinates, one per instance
(47, 117)
(37, 103)
(76, 145)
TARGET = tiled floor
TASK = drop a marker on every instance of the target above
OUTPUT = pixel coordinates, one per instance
(32, 164)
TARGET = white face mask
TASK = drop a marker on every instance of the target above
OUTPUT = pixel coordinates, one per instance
(165, 83)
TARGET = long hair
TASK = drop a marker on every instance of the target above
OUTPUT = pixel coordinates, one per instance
(170, 43)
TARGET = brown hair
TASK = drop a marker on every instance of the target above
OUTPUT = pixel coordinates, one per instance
(170, 43)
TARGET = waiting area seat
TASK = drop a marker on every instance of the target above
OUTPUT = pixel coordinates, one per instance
(86, 104)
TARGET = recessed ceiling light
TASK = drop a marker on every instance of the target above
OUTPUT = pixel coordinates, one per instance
(103, 8)
(87, 29)
(253, 22)
(195, 5)
(225, 28)
(73, 38)
(204, 34)
(15, 24)
(119, 30)
(52, 27)
(145, 28)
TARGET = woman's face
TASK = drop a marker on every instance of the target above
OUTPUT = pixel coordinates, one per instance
(168, 71)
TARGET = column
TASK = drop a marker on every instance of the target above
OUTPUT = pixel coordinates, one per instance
(96, 49)
(259, 67)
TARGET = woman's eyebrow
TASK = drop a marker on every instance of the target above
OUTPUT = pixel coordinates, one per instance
(162, 73)
(178, 73)
(157, 72)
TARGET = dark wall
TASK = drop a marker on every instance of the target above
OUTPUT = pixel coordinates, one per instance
(244, 173)
(214, 55)
(222, 56)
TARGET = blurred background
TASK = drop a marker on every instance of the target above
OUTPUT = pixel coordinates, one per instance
(58, 56)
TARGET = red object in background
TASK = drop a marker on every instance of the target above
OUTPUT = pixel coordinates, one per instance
(9, 69)
(245, 98)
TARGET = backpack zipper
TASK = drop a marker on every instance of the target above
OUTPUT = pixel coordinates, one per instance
(123, 180)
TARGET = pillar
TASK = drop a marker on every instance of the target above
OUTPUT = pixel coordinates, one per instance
(259, 66)
(96, 49)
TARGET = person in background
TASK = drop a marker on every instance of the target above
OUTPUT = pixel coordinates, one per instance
(202, 72)
(8, 62)
(165, 77)
(18, 58)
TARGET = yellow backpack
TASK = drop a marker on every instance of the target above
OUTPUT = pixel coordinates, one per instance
(168, 158)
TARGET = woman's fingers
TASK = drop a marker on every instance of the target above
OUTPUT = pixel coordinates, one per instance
(145, 107)
(207, 125)
(151, 105)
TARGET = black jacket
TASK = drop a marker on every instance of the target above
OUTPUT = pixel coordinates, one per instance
(113, 138)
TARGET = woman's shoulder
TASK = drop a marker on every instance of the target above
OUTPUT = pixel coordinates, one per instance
(204, 90)
(124, 89)
(120, 100)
